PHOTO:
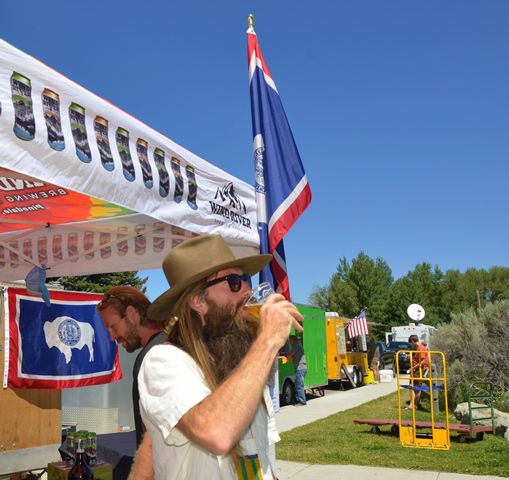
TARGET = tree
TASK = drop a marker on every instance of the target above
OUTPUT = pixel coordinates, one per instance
(319, 297)
(421, 285)
(463, 291)
(369, 283)
(474, 288)
(364, 283)
(343, 297)
(100, 283)
(371, 280)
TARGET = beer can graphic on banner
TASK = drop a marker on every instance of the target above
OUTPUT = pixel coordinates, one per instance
(24, 120)
(140, 242)
(88, 244)
(164, 178)
(51, 111)
(177, 230)
(158, 238)
(104, 238)
(79, 132)
(27, 247)
(13, 256)
(103, 142)
(122, 138)
(179, 181)
(57, 247)
(122, 246)
(142, 151)
(42, 250)
(192, 187)
(176, 241)
(72, 245)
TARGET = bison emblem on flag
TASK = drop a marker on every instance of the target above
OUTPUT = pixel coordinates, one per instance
(67, 334)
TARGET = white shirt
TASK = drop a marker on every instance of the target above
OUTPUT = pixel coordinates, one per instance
(170, 384)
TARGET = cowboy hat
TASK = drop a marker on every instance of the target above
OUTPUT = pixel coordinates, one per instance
(195, 260)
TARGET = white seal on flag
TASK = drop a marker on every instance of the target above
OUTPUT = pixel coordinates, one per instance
(259, 148)
(69, 332)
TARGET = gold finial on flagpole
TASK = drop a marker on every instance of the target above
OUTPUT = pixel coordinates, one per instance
(250, 21)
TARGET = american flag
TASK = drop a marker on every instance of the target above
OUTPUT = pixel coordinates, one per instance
(282, 189)
(358, 325)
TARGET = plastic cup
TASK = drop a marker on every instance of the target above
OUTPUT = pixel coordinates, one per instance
(258, 296)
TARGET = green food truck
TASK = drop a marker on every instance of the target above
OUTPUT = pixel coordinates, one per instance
(313, 340)
(329, 357)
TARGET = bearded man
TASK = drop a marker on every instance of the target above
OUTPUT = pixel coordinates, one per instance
(123, 311)
(203, 395)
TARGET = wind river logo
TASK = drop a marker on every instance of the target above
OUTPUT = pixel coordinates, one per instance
(227, 194)
(230, 207)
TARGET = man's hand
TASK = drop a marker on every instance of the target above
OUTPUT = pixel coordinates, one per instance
(277, 317)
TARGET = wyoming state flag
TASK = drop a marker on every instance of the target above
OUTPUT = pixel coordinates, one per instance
(282, 188)
(64, 345)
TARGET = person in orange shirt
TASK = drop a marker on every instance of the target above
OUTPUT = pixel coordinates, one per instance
(420, 369)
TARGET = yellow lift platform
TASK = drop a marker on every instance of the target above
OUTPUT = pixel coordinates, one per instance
(429, 433)
(430, 381)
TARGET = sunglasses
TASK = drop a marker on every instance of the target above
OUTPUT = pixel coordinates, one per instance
(234, 281)
(108, 299)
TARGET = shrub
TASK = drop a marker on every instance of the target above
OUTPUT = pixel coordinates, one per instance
(476, 346)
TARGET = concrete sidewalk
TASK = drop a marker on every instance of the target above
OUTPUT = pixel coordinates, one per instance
(333, 402)
(302, 471)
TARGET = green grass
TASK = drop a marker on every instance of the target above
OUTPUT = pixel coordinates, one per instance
(337, 440)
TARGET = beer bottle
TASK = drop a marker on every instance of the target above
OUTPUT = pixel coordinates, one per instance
(80, 470)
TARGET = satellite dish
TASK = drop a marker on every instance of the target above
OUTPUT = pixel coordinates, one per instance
(415, 312)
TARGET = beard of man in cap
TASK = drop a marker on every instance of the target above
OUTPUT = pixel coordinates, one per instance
(204, 317)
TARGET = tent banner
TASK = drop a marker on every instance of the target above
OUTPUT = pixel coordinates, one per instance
(130, 242)
(67, 144)
(62, 346)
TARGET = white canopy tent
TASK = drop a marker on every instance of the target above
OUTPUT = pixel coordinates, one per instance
(86, 188)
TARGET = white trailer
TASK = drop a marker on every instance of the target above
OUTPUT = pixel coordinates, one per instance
(401, 333)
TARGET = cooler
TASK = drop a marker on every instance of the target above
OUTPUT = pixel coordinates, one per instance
(386, 376)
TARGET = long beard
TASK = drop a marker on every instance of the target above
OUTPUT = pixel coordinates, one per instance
(228, 337)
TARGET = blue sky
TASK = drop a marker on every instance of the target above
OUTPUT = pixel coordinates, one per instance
(400, 110)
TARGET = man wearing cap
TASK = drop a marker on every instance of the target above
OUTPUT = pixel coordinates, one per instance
(123, 311)
(203, 395)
